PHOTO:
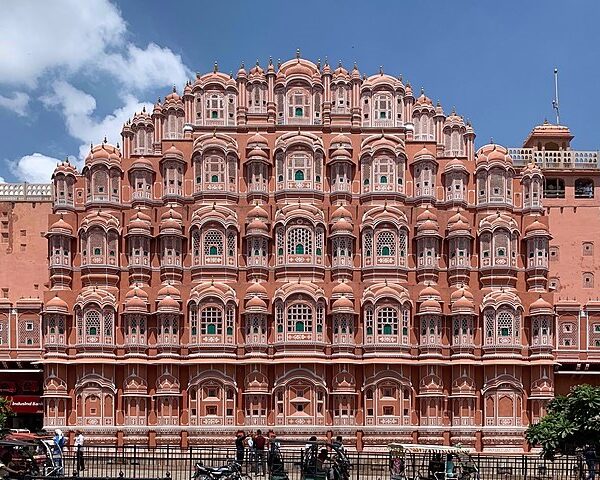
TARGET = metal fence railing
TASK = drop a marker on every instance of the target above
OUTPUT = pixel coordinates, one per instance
(135, 462)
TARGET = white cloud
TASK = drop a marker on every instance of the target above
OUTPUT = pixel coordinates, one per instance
(62, 38)
(62, 34)
(34, 168)
(18, 103)
(2, 180)
(51, 45)
(149, 67)
(78, 107)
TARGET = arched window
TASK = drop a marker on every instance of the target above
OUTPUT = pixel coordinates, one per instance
(386, 244)
(143, 141)
(300, 241)
(455, 187)
(299, 106)
(215, 108)
(211, 321)
(383, 170)
(425, 179)
(139, 251)
(387, 321)
(171, 251)
(502, 327)
(168, 329)
(95, 326)
(300, 318)
(135, 330)
(172, 179)
(541, 331)
(503, 406)
(459, 250)
(173, 127)
(341, 98)
(462, 331)
(537, 252)
(96, 246)
(584, 188)
(497, 185)
(300, 167)
(213, 243)
(257, 98)
(382, 109)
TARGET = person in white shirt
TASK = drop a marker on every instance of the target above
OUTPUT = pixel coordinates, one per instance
(79, 447)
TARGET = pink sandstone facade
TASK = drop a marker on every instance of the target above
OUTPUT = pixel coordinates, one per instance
(309, 250)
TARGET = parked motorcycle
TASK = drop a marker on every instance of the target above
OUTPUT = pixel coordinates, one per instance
(231, 471)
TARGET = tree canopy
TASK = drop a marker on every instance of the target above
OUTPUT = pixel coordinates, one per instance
(571, 423)
(5, 411)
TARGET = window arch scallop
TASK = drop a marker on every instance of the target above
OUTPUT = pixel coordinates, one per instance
(388, 402)
(95, 326)
(503, 403)
(382, 173)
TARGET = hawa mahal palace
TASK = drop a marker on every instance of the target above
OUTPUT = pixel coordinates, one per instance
(305, 249)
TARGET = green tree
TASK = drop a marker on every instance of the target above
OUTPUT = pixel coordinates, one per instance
(571, 423)
(5, 411)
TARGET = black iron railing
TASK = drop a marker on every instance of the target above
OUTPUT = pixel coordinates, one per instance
(134, 462)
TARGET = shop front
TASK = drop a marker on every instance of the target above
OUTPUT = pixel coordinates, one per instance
(21, 384)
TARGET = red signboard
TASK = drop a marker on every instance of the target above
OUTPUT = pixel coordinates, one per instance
(26, 404)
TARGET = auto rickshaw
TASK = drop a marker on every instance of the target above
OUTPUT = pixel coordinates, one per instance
(324, 460)
(431, 462)
(19, 456)
(47, 460)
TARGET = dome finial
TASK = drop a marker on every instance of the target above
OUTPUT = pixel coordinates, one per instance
(174, 88)
(105, 140)
(298, 54)
(492, 140)
(279, 63)
(339, 64)
(318, 64)
(422, 91)
(215, 67)
(270, 60)
(380, 69)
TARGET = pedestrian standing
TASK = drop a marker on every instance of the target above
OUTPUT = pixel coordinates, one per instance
(251, 451)
(274, 457)
(591, 458)
(79, 451)
(259, 453)
(339, 444)
(240, 447)
(57, 450)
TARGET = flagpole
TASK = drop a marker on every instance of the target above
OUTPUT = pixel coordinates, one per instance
(555, 101)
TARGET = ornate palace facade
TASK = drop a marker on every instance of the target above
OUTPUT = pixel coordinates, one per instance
(310, 250)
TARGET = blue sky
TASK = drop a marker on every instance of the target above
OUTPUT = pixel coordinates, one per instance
(72, 72)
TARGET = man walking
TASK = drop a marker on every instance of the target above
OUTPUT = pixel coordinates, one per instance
(79, 451)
